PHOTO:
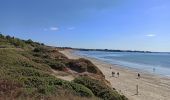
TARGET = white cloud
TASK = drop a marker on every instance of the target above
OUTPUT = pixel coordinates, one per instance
(54, 28)
(71, 28)
(51, 29)
(151, 35)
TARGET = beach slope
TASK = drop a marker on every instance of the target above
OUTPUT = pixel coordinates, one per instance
(150, 87)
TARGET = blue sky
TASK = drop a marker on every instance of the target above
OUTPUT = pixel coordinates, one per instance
(111, 24)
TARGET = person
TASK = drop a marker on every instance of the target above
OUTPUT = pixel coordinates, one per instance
(154, 69)
(117, 74)
(113, 74)
(138, 76)
(110, 67)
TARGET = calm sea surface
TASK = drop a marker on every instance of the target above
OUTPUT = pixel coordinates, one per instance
(158, 63)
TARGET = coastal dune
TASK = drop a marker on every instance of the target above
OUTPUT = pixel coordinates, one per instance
(150, 86)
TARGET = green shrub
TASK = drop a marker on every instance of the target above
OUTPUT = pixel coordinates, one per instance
(2, 36)
(58, 66)
(40, 85)
(48, 85)
(8, 37)
(77, 66)
(90, 66)
(47, 89)
(35, 82)
(99, 89)
(29, 41)
(17, 43)
(40, 49)
(29, 72)
(82, 90)
(77, 88)
(83, 65)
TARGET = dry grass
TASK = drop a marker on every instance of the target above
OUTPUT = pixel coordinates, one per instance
(9, 89)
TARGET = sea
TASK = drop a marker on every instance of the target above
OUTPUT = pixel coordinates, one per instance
(156, 63)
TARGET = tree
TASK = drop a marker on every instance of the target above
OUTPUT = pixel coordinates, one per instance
(29, 41)
(1, 36)
(8, 37)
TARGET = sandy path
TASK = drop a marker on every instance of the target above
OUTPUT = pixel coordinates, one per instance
(151, 87)
(63, 75)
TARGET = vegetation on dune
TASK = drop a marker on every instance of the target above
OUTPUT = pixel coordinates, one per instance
(84, 65)
(26, 72)
(32, 79)
(99, 88)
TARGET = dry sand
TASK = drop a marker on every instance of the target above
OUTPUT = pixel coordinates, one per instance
(151, 87)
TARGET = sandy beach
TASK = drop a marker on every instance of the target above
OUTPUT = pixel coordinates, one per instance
(151, 87)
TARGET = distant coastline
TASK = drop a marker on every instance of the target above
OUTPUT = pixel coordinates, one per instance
(106, 50)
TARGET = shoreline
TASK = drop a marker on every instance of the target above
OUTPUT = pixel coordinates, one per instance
(151, 86)
(152, 69)
(120, 66)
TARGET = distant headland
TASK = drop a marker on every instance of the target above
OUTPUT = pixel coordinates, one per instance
(106, 50)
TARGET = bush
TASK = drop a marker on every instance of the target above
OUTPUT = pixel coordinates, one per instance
(29, 41)
(77, 89)
(33, 82)
(17, 42)
(29, 72)
(90, 66)
(77, 66)
(2, 36)
(57, 66)
(40, 49)
(83, 65)
(47, 89)
(48, 85)
(81, 90)
(99, 89)
(8, 37)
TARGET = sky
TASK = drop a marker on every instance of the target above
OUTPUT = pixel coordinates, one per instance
(101, 24)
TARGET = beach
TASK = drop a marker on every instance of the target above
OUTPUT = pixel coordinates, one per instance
(150, 86)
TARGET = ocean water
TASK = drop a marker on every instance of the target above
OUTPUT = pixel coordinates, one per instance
(158, 63)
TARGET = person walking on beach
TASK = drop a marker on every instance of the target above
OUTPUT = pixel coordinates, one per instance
(138, 76)
(154, 69)
(113, 74)
(117, 74)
